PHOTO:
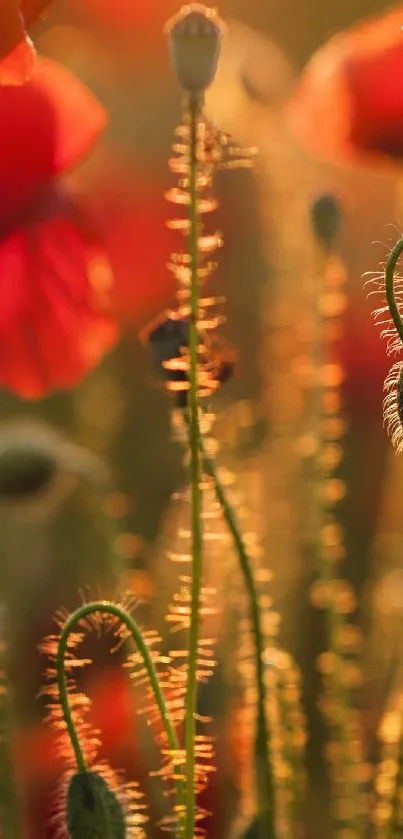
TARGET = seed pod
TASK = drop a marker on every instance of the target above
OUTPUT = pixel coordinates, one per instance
(93, 810)
(194, 38)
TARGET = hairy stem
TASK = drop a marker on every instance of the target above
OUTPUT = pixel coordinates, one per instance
(107, 608)
(263, 767)
(195, 476)
(390, 270)
(348, 786)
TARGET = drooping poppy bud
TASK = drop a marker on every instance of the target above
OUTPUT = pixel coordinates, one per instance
(93, 809)
(194, 37)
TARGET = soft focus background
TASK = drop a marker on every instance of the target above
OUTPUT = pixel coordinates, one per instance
(54, 536)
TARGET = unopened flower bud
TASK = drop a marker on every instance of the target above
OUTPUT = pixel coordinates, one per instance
(326, 216)
(194, 37)
(93, 809)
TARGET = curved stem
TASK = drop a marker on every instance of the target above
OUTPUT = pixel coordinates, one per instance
(390, 270)
(195, 476)
(264, 775)
(104, 607)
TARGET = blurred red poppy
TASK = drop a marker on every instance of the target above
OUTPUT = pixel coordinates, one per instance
(17, 55)
(348, 104)
(135, 28)
(52, 325)
(141, 15)
(129, 210)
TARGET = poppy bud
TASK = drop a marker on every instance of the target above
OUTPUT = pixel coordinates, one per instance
(93, 810)
(194, 37)
(39, 467)
(325, 218)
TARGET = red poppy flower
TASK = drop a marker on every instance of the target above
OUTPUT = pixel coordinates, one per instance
(17, 55)
(348, 104)
(52, 327)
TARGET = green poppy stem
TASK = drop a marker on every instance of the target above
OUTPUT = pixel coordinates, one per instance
(265, 785)
(195, 478)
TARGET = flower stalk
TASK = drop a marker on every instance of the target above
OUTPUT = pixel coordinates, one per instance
(265, 786)
(195, 475)
(337, 665)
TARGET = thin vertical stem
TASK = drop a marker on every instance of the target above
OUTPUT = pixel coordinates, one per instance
(195, 477)
(349, 783)
(263, 766)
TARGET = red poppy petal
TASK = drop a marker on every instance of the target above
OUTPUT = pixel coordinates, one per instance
(17, 66)
(377, 93)
(74, 105)
(138, 249)
(318, 123)
(37, 140)
(52, 328)
(130, 212)
(12, 26)
(16, 50)
(349, 102)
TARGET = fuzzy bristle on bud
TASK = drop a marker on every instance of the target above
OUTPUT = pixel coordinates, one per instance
(393, 387)
(194, 37)
(98, 802)
(393, 405)
(93, 809)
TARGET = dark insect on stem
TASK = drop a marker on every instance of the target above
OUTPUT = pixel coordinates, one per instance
(169, 343)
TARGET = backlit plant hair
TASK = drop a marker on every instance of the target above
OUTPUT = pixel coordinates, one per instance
(195, 366)
(93, 799)
(197, 370)
(388, 316)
